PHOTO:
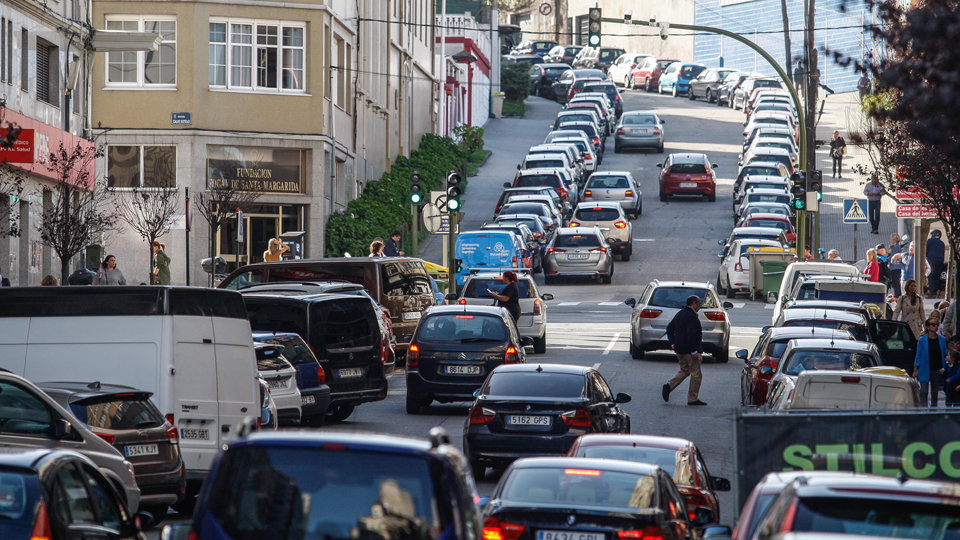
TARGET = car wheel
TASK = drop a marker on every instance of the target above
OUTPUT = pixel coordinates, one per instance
(606, 280)
(660, 149)
(730, 292)
(639, 210)
(723, 356)
(616, 148)
(158, 511)
(647, 86)
(712, 198)
(626, 80)
(339, 413)
(708, 97)
(635, 352)
(549, 280)
(663, 196)
(625, 256)
(674, 91)
(690, 95)
(479, 470)
(660, 89)
(720, 289)
(540, 344)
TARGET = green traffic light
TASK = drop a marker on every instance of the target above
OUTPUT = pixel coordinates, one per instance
(453, 205)
(819, 196)
(416, 198)
(594, 40)
(798, 204)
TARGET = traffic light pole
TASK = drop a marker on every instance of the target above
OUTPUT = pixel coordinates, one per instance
(452, 253)
(414, 228)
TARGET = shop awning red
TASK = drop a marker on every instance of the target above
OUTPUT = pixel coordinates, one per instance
(47, 139)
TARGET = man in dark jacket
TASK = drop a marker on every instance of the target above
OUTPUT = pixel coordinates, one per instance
(392, 247)
(686, 339)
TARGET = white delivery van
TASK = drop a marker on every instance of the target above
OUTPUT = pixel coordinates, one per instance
(191, 347)
(799, 269)
(881, 387)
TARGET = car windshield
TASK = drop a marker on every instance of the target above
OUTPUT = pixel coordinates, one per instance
(688, 168)
(576, 240)
(665, 458)
(859, 332)
(768, 210)
(526, 208)
(579, 143)
(543, 163)
(818, 360)
(608, 89)
(755, 170)
(535, 385)
(534, 224)
(676, 297)
(768, 197)
(597, 214)
(610, 55)
(689, 72)
(890, 516)
(576, 116)
(271, 362)
(477, 287)
(776, 223)
(662, 64)
(20, 493)
(320, 494)
(773, 121)
(462, 328)
(775, 350)
(767, 83)
(775, 144)
(537, 180)
(608, 182)
(638, 120)
(294, 349)
(554, 72)
(569, 487)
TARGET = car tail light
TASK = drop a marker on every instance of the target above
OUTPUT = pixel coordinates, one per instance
(576, 418)
(650, 532)
(715, 315)
(481, 415)
(596, 141)
(850, 378)
(171, 419)
(538, 307)
(656, 131)
(172, 436)
(587, 156)
(628, 193)
(514, 262)
(105, 436)
(494, 529)
(621, 131)
(41, 524)
(738, 267)
(510, 356)
(620, 224)
(648, 313)
(616, 97)
(413, 355)
(573, 224)
(563, 193)
(321, 375)
(556, 250)
(587, 193)
(462, 301)
(600, 249)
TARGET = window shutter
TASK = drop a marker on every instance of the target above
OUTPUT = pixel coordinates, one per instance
(43, 71)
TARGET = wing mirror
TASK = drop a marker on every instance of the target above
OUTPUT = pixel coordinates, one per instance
(764, 329)
(728, 305)
(742, 354)
(720, 254)
(766, 371)
(659, 165)
(715, 166)
(62, 428)
(622, 398)
(518, 166)
(506, 184)
(632, 302)
(703, 516)
(720, 483)
(546, 297)
(721, 242)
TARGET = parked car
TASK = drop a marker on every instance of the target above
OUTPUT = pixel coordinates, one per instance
(126, 418)
(578, 252)
(533, 303)
(538, 47)
(610, 90)
(612, 221)
(676, 78)
(728, 87)
(599, 99)
(590, 129)
(808, 354)
(639, 129)
(760, 145)
(733, 277)
(687, 174)
(605, 121)
(761, 195)
(533, 222)
(660, 301)
(760, 233)
(861, 390)
(320, 484)
(563, 54)
(778, 221)
(647, 74)
(783, 156)
(539, 409)
(528, 59)
(542, 77)
(534, 247)
(311, 374)
(761, 168)
(282, 379)
(563, 87)
(597, 57)
(550, 215)
(621, 68)
(743, 91)
(56, 493)
(589, 499)
(679, 458)
(619, 186)
(758, 182)
(707, 83)
(800, 269)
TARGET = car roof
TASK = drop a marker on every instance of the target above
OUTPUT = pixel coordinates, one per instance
(541, 367)
(611, 173)
(752, 242)
(765, 191)
(540, 156)
(859, 485)
(361, 440)
(490, 275)
(685, 284)
(629, 439)
(773, 231)
(79, 391)
(577, 230)
(464, 309)
(537, 170)
(639, 111)
(31, 457)
(762, 215)
(800, 313)
(688, 157)
(769, 151)
(554, 65)
(845, 345)
(802, 332)
(517, 216)
(760, 163)
(613, 465)
(765, 178)
(599, 204)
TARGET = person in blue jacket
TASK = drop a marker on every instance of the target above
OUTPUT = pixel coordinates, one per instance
(928, 365)
(951, 379)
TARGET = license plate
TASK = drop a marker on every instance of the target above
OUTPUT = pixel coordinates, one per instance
(194, 433)
(641, 132)
(578, 256)
(308, 400)
(141, 450)
(526, 420)
(568, 535)
(347, 373)
(411, 315)
(277, 383)
(462, 370)
(688, 184)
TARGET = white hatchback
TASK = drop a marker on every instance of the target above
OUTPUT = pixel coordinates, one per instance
(281, 377)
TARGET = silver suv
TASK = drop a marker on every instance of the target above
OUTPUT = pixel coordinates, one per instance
(617, 186)
(578, 251)
(610, 219)
(533, 303)
(656, 307)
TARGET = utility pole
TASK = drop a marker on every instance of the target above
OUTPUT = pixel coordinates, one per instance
(811, 93)
(786, 40)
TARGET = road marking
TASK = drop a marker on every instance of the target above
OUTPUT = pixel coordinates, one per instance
(613, 341)
(738, 305)
(609, 303)
(768, 306)
(568, 304)
(596, 366)
(644, 239)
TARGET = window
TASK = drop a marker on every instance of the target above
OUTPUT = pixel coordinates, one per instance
(23, 413)
(48, 69)
(141, 166)
(262, 55)
(338, 73)
(75, 93)
(3, 49)
(146, 68)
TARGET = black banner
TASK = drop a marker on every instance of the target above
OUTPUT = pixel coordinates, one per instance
(918, 444)
(267, 170)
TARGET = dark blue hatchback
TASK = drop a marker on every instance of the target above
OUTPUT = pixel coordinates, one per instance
(311, 374)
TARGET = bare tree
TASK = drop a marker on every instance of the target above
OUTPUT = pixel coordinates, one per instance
(147, 211)
(219, 204)
(77, 209)
(12, 181)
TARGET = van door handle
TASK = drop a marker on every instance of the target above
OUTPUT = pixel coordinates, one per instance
(207, 340)
(225, 428)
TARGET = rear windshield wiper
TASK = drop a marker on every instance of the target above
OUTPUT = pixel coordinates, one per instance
(478, 339)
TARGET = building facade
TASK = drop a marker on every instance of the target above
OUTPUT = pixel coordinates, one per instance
(44, 94)
(471, 61)
(301, 102)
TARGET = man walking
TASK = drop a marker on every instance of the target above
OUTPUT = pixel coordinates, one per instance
(874, 191)
(392, 247)
(936, 253)
(686, 339)
(838, 149)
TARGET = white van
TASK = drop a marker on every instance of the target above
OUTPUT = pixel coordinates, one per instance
(799, 269)
(191, 347)
(870, 388)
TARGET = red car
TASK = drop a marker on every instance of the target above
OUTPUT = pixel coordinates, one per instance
(778, 221)
(678, 457)
(687, 174)
(761, 364)
(647, 74)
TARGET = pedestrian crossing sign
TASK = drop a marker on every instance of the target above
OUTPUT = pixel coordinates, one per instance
(853, 211)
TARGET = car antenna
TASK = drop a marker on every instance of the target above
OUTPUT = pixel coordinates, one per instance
(95, 385)
(539, 368)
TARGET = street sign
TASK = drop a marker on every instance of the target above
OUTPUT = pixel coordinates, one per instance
(438, 199)
(915, 194)
(917, 211)
(853, 211)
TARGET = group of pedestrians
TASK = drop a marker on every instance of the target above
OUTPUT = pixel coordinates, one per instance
(390, 248)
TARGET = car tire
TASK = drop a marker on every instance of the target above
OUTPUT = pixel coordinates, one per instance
(724, 356)
(339, 413)
(616, 148)
(712, 198)
(663, 196)
(730, 292)
(158, 511)
(708, 97)
(690, 95)
(187, 502)
(479, 470)
(674, 91)
(414, 405)
(549, 280)
(660, 149)
(720, 289)
(639, 210)
(540, 344)
(635, 352)
(660, 89)
(626, 80)
(647, 86)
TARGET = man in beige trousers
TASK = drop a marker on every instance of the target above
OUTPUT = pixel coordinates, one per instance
(686, 338)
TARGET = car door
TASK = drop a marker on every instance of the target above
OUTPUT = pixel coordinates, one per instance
(895, 341)
(674, 508)
(616, 421)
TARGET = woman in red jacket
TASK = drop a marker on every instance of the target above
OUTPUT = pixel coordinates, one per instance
(873, 267)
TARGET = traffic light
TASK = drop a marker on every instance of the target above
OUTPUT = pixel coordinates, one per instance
(593, 22)
(798, 189)
(815, 183)
(458, 265)
(416, 189)
(453, 191)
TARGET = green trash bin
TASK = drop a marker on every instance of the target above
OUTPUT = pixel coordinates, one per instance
(772, 276)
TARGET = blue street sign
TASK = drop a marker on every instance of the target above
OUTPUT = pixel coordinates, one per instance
(853, 211)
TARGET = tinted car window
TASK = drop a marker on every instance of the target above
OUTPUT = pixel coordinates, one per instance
(782, 225)
(638, 120)
(118, 412)
(765, 197)
(666, 458)
(556, 385)
(274, 362)
(344, 324)
(608, 89)
(22, 413)
(565, 487)
(477, 288)
(543, 163)
(597, 214)
(662, 64)
(610, 55)
(689, 72)
(801, 361)
(294, 349)
(576, 240)
(753, 169)
(688, 168)
(462, 328)
(19, 494)
(525, 208)
(609, 182)
(767, 83)
(273, 493)
(676, 297)
(538, 180)
(890, 517)
(554, 72)
(404, 279)
(267, 316)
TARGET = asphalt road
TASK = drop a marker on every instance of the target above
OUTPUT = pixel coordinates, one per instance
(588, 322)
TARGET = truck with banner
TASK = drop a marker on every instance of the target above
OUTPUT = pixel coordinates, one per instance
(913, 443)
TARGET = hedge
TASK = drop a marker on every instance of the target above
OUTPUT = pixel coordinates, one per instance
(384, 205)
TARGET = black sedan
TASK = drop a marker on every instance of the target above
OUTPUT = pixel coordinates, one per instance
(587, 499)
(542, 77)
(539, 409)
(454, 348)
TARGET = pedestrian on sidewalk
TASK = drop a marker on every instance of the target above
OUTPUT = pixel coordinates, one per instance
(874, 191)
(863, 86)
(392, 247)
(275, 250)
(873, 267)
(838, 149)
(910, 308)
(936, 251)
(951, 378)
(928, 364)
(109, 274)
(895, 253)
(376, 248)
(884, 263)
(4, 280)
(686, 339)
(161, 264)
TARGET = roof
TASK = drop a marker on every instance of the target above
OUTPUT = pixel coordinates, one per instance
(842, 344)
(611, 173)
(799, 314)
(760, 215)
(301, 296)
(626, 439)
(804, 332)
(79, 391)
(826, 304)
(772, 231)
(768, 151)
(372, 441)
(871, 486)
(766, 191)
(771, 164)
(692, 284)
(554, 65)
(766, 178)
(577, 230)
(539, 367)
(537, 170)
(598, 204)
(585, 463)
(465, 309)
(488, 275)
(688, 157)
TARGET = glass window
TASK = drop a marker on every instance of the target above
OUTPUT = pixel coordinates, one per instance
(134, 166)
(569, 487)
(267, 315)
(340, 326)
(107, 506)
(464, 328)
(71, 497)
(118, 412)
(477, 287)
(144, 68)
(22, 412)
(529, 384)
(240, 59)
(597, 214)
(576, 240)
(878, 517)
(609, 182)
(122, 66)
(160, 66)
(806, 360)
(16, 498)
(538, 180)
(267, 41)
(676, 297)
(294, 349)
(688, 168)
(218, 54)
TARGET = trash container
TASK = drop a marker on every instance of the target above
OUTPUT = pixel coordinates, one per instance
(772, 276)
(497, 104)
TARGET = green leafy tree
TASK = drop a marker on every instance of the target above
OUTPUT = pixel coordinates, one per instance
(515, 81)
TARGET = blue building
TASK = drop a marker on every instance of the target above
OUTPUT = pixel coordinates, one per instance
(839, 28)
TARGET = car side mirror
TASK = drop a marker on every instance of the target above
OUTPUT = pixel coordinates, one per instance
(526, 341)
(728, 305)
(715, 166)
(659, 165)
(703, 516)
(546, 297)
(716, 532)
(483, 501)
(451, 296)
(720, 483)
(518, 166)
(622, 398)
(766, 371)
(62, 428)
(476, 393)
(742, 354)
(764, 329)
(632, 302)
(175, 531)
(721, 242)
(506, 184)
(720, 254)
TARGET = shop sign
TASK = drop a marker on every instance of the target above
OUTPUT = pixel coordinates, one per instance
(47, 139)
(917, 211)
(22, 149)
(264, 170)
